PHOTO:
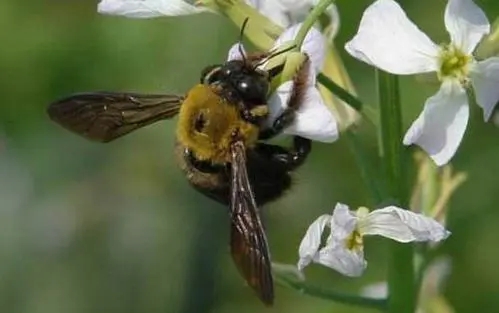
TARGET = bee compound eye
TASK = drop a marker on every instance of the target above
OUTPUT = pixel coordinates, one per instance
(253, 88)
(199, 122)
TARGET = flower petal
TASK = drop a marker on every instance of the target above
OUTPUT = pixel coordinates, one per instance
(313, 120)
(311, 242)
(347, 262)
(278, 101)
(274, 10)
(387, 39)
(343, 223)
(466, 24)
(235, 52)
(294, 5)
(313, 45)
(334, 15)
(439, 129)
(147, 8)
(485, 80)
(335, 255)
(402, 225)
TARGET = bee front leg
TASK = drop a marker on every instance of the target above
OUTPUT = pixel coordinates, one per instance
(290, 158)
(295, 100)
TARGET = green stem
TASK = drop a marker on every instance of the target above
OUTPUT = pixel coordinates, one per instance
(430, 189)
(367, 112)
(340, 92)
(368, 171)
(310, 20)
(379, 304)
(401, 280)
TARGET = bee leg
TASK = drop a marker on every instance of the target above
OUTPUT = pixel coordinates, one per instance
(295, 99)
(202, 166)
(284, 120)
(290, 158)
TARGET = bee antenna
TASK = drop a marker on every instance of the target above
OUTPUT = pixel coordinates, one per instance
(240, 46)
(273, 55)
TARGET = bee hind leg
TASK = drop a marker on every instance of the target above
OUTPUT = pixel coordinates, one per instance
(289, 158)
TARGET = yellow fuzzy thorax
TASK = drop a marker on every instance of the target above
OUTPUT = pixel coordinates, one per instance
(220, 121)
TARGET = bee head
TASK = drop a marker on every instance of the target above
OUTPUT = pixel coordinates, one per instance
(208, 123)
(244, 81)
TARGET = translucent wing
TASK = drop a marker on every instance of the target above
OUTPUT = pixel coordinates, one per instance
(248, 241)
(105, 116)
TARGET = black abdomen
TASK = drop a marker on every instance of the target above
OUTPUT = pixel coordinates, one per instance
(269, 179)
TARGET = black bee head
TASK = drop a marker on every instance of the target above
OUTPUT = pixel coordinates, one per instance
(239, 80)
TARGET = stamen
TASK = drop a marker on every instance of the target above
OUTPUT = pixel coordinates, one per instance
(453, 63)
(354, 241)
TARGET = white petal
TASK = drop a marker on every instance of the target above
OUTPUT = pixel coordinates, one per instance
(343, 223)
(349, 263)
(334, 15)
(313, 45)
(439, 129)
(293, 5)
(235, 52)
(278, 101)
(313, 120)
(147, 8)
(387, 39)
(485, 80)
(295, 10)
(402, 225)
(311, 242)
(272, 9)
(336, 255)
(466, 24)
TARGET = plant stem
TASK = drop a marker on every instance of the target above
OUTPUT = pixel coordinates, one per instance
(401, 280)
(310, 20)
(368, 170)
(379, 304)
(367, 112)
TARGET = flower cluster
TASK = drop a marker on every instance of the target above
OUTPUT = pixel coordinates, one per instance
(389, 41)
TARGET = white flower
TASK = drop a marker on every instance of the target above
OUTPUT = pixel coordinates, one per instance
(388, 40)
(313, 119)
(289, 12)
(344, 249)
(148, 8)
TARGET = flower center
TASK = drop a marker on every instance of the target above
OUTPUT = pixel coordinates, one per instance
(354, 241)
(454, 63)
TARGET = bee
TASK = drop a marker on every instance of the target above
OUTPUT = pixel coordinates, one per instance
(219, 145)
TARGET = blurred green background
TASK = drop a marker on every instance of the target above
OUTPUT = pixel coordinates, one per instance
(87, 227)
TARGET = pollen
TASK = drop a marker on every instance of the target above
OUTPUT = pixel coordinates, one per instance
(453, 63)
(354, 241)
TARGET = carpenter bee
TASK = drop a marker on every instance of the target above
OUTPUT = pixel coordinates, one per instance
(219, 145)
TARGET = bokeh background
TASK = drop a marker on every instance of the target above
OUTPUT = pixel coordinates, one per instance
(87, 227)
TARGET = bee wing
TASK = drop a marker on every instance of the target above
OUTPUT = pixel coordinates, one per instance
(105, 116)
(248, 241)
